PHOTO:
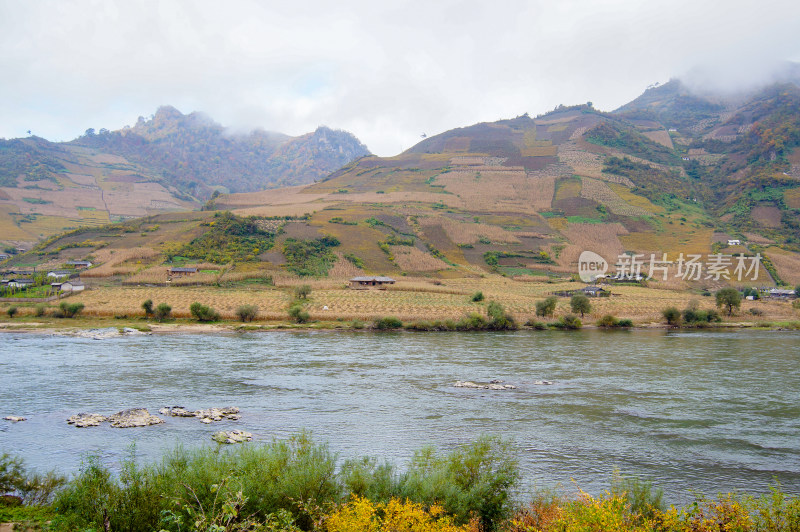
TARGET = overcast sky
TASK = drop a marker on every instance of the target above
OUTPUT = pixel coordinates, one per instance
(386, 71)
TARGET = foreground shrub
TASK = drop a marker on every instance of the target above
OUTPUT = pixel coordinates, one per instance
(40, 311)
(302, 291)
(202, 312)
(499, 319)
(147, 306)
(389, 322)
(477, 297)
(12, 311)
(568, 322)
(247, 312)
(694, 316)
(362, 515)
(611, 322)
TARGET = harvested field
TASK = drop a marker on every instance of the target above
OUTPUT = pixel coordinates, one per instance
(633, 199)
(470, 233)
(120, 261)
(568, 188)
(600, 192)
(299, 209)
(767, 215)
(676, 239)
(411, 259)
(786, 263)
(661, 136)
(457, 144)
(600, 238)
(755, 238)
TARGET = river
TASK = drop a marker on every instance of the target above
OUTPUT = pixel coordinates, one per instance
(707, 411)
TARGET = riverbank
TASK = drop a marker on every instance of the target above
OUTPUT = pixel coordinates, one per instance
(330, 305)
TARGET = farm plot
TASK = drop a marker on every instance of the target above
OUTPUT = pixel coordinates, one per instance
(120, 261)
(470, 233)
(791, 198)
(600, 238)
(633, 199)
(600, 192)
(767, 215)
(411, 259)
(786, 263)
(673, 239)
(661, 136)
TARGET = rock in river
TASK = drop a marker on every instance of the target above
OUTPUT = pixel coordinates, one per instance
(133, 417)
(494, 385)
(86, 420)
(15, 419)
(206, 416)
(231, 436)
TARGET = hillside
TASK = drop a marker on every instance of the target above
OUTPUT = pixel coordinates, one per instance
(170, 162)
(521, 197)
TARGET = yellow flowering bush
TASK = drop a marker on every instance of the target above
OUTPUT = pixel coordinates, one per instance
(363, 515)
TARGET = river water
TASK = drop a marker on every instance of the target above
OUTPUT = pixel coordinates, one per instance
(704, 410)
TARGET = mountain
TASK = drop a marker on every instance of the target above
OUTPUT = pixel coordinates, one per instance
(675, 172)
(168, 162)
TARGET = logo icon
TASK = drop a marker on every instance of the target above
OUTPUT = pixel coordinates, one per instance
(591, 266)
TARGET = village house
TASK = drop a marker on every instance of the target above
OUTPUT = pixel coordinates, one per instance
(20, 283)
(593, 291)
(79, 263)
(367, 283)
(72, 286)
(734, 242)
(182, 271)
(59, 274)
(781, 293)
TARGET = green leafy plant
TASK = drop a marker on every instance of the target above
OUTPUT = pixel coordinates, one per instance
(163, 312)
(546, 307)
(247, 312)
(202, 312)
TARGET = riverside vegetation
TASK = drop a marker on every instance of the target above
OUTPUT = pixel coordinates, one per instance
(299, 484)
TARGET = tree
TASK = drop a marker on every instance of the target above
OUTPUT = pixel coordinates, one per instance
(729, 298)
(163, 312)
(12, 311)
(580, 303)
(672, 315)
(297, 313)
(247, 312)
(302, 291)
(498, 319)
(202, 312)
(147, 306)
(797, 290)
(477, 297)
(546, 307)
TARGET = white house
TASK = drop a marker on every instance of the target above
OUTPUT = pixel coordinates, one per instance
(734, 242)
(59, 274)
(72, 286)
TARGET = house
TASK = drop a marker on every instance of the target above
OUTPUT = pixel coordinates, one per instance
(72, 286)
(20, 283)
(79, 263)
(781, 293)
(734, 242)
(593, 291)
(4, 256)
(59, 274)
(182, 271)
(366, 283)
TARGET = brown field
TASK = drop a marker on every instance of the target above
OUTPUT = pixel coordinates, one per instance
(568, 188)
(662, 137)
(411, 259)
(600, 238)
(457, 144)
(768, 216)
(409, 300)
(120, 261)
(343, 268)
(675, 239)
(758, 239)
(786, 263)
(470, 233)
(540, 151)
(600, 192)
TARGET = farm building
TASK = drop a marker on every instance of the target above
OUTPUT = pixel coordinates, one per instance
(182, 271)
(734, 242)
(20, 283)
(593, 291)
(366, 283)
(781, 293)
(69, 286)
(59, 274)
(79, 263)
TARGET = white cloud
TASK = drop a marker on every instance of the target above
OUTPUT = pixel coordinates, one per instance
(385, 71)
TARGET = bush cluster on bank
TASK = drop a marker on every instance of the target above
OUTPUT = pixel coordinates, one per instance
(298, 485)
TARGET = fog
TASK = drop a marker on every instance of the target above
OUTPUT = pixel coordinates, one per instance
(387, 72)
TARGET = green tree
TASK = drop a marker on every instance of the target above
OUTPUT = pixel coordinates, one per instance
(546, 307)
(580, 303)
(12, 311)
(298, 313)
(202, 312)
(477, 297)
(162, 312)
(672, 315)
(499, 320)
(729, 298)
(70, 310)
(302, 291)
(147, 306)
(247, 312)
(797, 290)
